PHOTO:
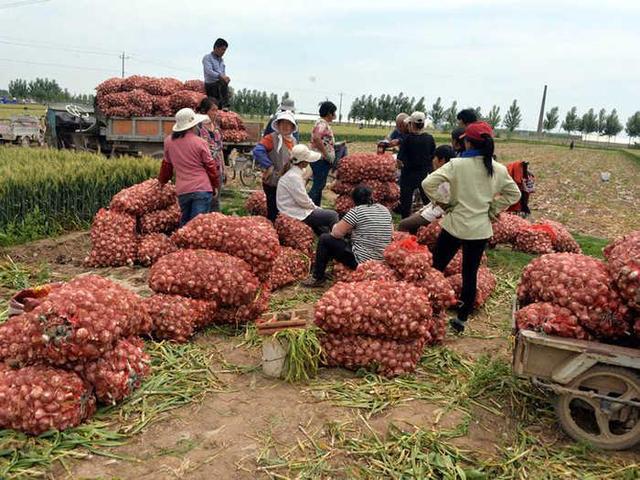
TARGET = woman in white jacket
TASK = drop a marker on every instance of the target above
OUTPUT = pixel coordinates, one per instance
(292, 197)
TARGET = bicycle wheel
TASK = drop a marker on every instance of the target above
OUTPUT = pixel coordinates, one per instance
(249, 177)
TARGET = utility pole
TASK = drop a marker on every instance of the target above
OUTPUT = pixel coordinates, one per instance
(541, 117)
(123, 57)
(340, 109)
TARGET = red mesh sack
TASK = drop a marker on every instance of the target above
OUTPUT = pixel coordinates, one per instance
(486, 285)
(505, 228)
(342, 273)
(428, 235)
(112, 100)
(373, 270)
(235, 136)
(206, 275)
(185, 99)
(162, 86)
(252, 239)
(40, 398)
(378, 308)
(134, 82)
(256, 204)
(140, 103)
(408, 258)
(195, 85)
(161, 106)
(535, 239)
(21, 341)
(455, 265)
(294, 233)
(290, 266)
(399, 236)
(176, 318)
(111, 85)
(344, 203)
(624, 268)
(440, 292)
(439, 329)
(635, 235)
(564, 241)
(230, 121)
(342, 188)
(161, 221)
(357, 167)
(245, 313)
(144, 197)
(119, 372)
(551, 319)
(153, 246)
(113, 240)
(580, 283)
(386, 356)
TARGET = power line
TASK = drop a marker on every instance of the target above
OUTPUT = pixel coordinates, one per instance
(78, 67)
(22, 3)
(50, 47)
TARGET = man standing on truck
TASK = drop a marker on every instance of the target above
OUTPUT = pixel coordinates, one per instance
(216, 81)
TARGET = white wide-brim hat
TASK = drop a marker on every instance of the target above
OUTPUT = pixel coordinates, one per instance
(302, 153)
(186, 118)
(286, 115)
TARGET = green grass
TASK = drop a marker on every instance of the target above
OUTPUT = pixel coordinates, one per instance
(16, 276)
(591, 246)
(10, 110)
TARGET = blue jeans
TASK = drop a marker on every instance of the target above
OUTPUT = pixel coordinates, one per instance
(321, 170)
(194, 203)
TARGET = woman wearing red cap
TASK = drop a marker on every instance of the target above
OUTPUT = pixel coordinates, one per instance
(480, 188)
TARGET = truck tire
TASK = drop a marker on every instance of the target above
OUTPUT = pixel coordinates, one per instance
(604, 424)
(25, 142)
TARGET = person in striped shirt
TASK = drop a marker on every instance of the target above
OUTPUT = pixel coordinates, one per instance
(370, 227)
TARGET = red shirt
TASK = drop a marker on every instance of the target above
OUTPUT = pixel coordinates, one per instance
(191, 159)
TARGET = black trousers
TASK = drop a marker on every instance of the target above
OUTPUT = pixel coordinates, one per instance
(322, 220)
(446, 247)
(272, 205)
(330, 248)
(409, 182)
(220, 91)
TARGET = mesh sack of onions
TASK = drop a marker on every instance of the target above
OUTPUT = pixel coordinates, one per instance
(408, 258)
(357, 167)
(294, 233)
(21, 341)
(206, 275)
(161, 221)
(579, 283)
(344, 203)
(111, 85)
(245, 313)
(439, 290)
(397, 235)
(624, 267)
(256, 204)
(455, 265)
(134, 82)
(161, 106)
(628, 237)
(84, 319)
(40, 398)
(378, 308)
(144, 197)
(505, 228)
(234, 136)
(140, 103)
(386, 356)
(185, 99)
(113, 240)
(111, 100)
(535, 239)
(551, 319)
(342, 188)
(195, 85)
(153, 246)
(290, 266)
(428, 235)
(117, 111)
(341, 273)
(252, 239)
(563, 241)
(439, 330)
(486, 285)
(119, 372)
(176, 318)
(373, 270)
(162, 86)
(230, 121)
(382, 191)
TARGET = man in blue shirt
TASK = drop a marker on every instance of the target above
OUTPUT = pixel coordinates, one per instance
(216, 81)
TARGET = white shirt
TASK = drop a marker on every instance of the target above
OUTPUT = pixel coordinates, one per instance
(432, 211)
(291, 195)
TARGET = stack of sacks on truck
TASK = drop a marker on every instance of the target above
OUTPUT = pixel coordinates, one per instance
(544, 236)
(378, 172)
(573, 295)
(74, 346)
(134, 229)
(142, 96)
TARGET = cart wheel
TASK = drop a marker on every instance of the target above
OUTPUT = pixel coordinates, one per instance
(606, 425)
(249, 177)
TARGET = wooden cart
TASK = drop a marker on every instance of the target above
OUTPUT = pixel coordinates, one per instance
(597, 385)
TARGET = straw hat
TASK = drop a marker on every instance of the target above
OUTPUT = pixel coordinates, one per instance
(186, 118)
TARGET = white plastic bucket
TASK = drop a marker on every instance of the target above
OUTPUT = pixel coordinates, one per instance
(274, 352)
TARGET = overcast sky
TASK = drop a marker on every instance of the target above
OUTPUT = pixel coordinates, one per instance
(476, 52)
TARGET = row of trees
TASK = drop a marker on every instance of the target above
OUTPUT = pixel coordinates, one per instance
(602, 123)
(45, 90)
(254, 102)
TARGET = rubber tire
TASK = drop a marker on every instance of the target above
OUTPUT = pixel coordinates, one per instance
(574, 431)
(248, 177)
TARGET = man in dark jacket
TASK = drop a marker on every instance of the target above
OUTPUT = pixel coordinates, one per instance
(416, 154)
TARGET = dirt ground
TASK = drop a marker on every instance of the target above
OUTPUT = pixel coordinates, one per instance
(225, 435)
